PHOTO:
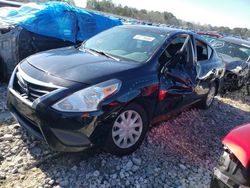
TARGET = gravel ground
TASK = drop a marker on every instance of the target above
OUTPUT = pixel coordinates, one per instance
(180, 152)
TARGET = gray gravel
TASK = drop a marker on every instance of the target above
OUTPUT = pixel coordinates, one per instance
(180, 152)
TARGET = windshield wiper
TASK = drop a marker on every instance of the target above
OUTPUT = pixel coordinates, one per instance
(104, 53)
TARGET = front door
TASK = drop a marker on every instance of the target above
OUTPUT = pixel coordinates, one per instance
(177, 75)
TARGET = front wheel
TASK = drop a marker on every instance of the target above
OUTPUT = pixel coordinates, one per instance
(128, 131)
(208, 100)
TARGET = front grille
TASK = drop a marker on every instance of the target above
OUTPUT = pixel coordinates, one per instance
(28, 90)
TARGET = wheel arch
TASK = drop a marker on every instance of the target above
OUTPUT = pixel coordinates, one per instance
(147, 105)
(145, 96)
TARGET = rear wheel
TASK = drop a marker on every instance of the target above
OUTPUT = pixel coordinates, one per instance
(128, 131)
(208, 100)
(230, 173)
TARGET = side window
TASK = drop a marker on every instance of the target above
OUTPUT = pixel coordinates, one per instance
(186, 58)
(172, 49)
(204, 52)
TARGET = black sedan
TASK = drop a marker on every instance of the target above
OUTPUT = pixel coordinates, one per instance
(107, 91)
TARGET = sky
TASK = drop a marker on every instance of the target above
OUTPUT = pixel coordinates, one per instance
(231, 13)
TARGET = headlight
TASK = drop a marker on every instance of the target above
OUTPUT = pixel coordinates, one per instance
(88, 99)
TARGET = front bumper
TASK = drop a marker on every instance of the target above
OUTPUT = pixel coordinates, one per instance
(230, 173)
(223, 180)
(68, 132)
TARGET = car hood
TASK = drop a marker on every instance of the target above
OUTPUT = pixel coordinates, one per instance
(73, 64)
(232, 64)
(238, 142)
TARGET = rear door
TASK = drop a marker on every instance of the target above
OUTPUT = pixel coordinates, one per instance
(206, 67)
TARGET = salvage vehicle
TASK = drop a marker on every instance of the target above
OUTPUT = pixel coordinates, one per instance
(235, 53)
(233, 169)
(209, 36)
(24, 31)
(107, 91)
(18, 43)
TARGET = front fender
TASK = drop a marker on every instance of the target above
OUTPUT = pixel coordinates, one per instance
(143, 90)
(238, 142)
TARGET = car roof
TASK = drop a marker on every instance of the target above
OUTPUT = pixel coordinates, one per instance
(237, 41)
(166, 31)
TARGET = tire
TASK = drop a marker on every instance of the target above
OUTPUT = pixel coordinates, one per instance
(121, 141)
(230, 173)
(208, 100)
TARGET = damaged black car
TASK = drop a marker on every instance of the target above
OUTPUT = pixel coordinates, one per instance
(108, 91)
(235, 53)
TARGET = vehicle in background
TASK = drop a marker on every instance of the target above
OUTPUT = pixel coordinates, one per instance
(18, 43)
(209, 36)
(24, 31)
(233, 169)
(235, 53)
(106, 93)
(4, 3)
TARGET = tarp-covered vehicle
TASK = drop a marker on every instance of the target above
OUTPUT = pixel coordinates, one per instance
(33, 28)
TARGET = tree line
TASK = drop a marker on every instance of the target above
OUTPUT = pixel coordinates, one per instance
(70, 2)
(160, 17)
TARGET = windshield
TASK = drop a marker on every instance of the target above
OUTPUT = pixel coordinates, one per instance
(235, 51)
(126, 43)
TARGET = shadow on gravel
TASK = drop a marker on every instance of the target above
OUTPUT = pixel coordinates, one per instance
(194, 137)
(44, 156)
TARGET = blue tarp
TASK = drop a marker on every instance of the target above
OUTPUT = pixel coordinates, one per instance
(59, 20)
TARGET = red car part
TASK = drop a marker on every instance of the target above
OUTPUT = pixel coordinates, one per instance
(238, 142)
(209, 33)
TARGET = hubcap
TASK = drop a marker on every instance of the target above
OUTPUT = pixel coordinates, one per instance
(210, 96)
(127, 129)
